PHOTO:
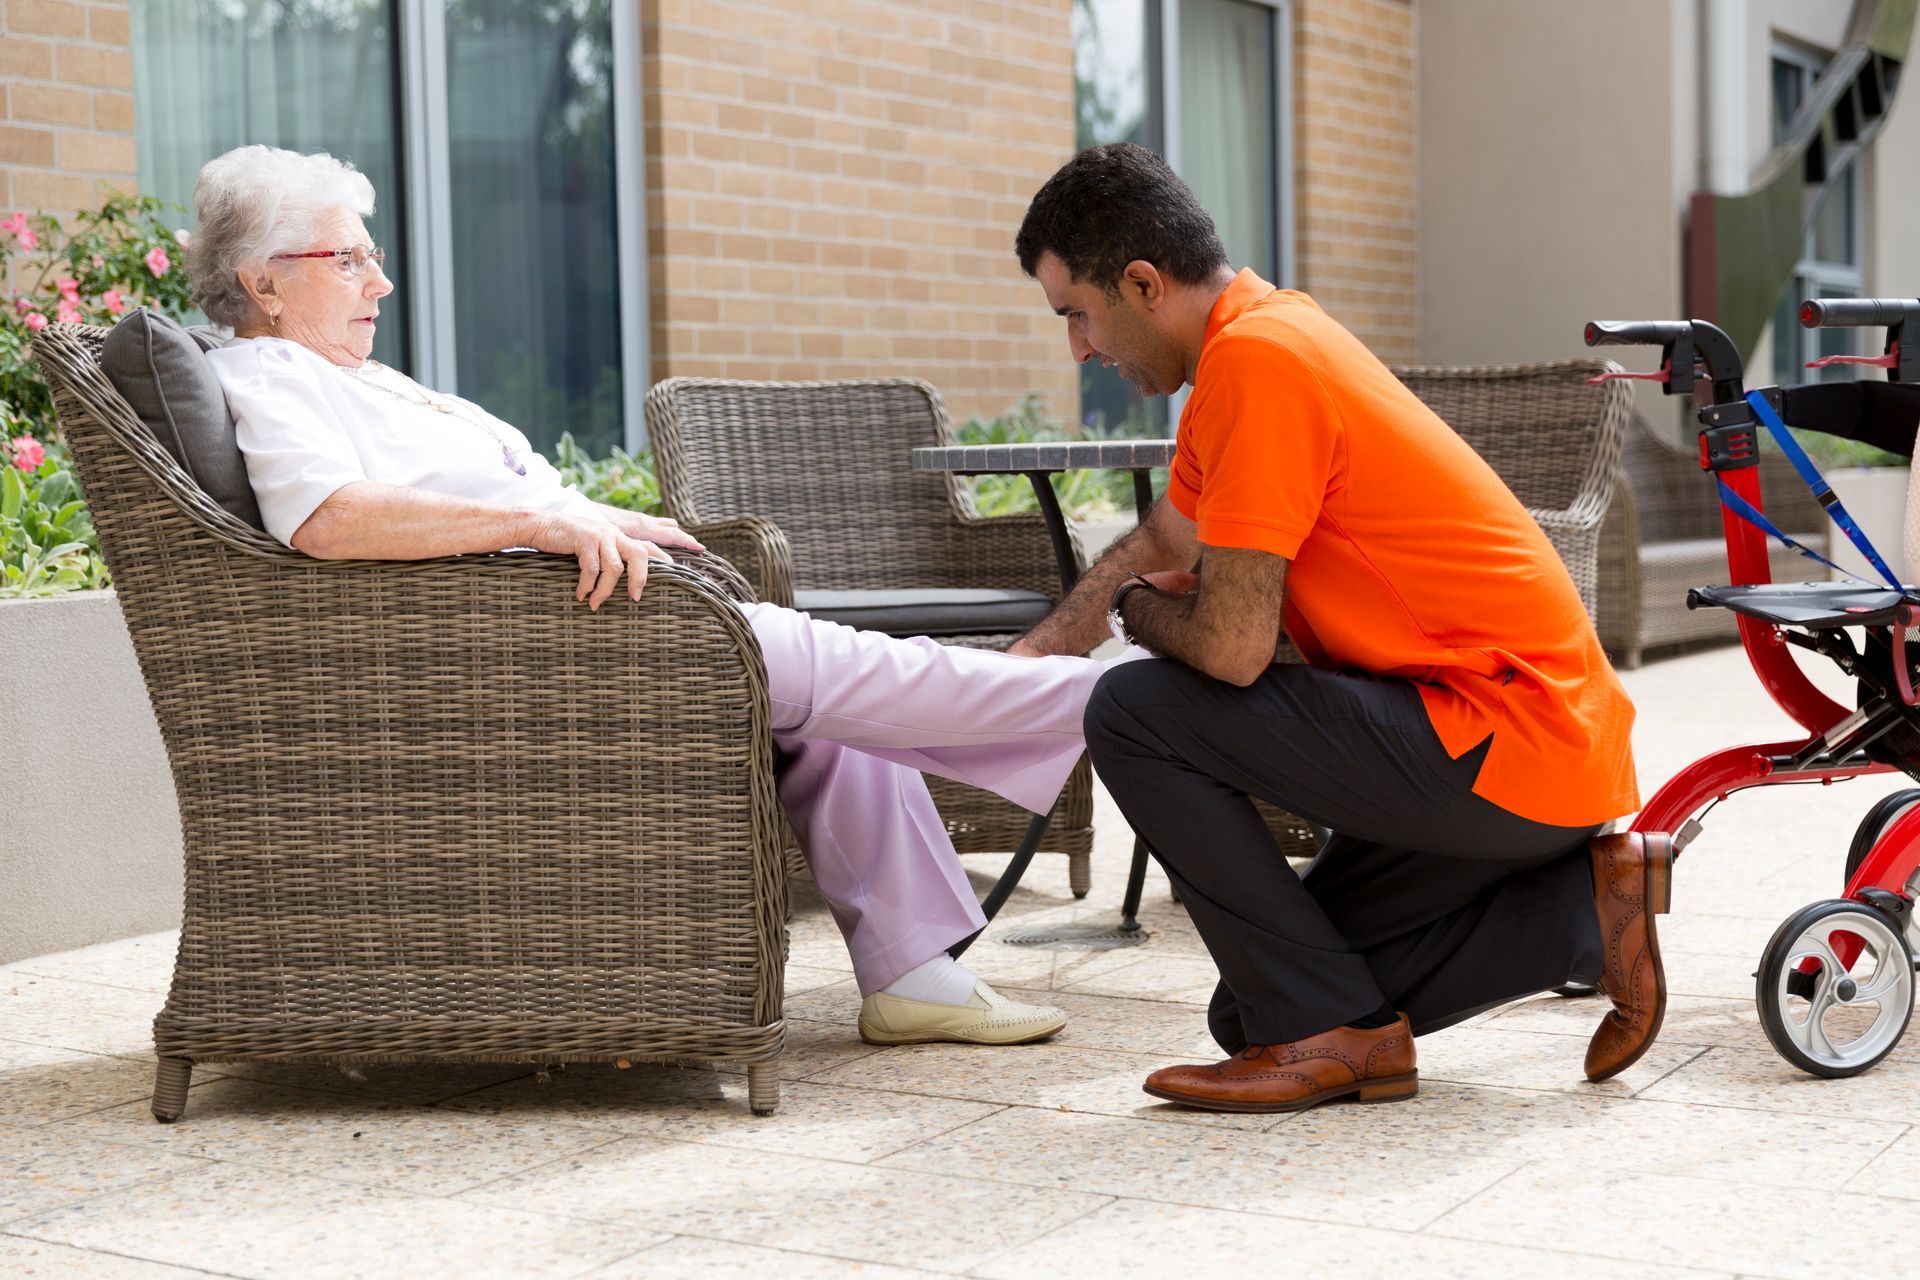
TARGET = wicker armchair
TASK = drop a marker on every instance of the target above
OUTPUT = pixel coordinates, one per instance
(826, 464)
(1664, 536)
(435, 810)
(1555, 440)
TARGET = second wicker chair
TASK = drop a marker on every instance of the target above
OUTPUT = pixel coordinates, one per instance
(872, 543)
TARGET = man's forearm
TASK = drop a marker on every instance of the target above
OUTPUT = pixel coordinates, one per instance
(370, 521)
(1079, 622)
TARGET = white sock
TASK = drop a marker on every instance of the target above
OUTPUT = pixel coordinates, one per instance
(941, 980)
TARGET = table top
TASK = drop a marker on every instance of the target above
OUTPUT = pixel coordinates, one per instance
(1059, 455)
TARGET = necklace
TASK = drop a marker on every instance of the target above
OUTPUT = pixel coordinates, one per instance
(425, 399)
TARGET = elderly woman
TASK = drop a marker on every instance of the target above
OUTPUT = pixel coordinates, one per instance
(352, 459)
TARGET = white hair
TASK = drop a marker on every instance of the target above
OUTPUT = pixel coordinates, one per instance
(254, 202)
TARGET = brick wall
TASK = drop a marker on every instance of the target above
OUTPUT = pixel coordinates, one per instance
(66, 77)
(834, 185)
(1356, 195)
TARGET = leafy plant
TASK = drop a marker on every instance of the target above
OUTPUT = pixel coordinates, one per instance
(87, 269)
(622, 480)
(47, 543)
(1084, 495)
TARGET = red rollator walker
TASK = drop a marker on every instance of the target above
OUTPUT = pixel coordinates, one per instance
(1835, 987)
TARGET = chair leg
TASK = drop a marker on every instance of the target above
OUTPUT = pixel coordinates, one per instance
(1080, 873)
(170, 1089)
(763, 1088)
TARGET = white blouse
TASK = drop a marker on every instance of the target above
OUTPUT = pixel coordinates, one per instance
(308, 427)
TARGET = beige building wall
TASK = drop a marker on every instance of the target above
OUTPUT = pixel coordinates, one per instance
(1551, 177)
(834, 186)
(1356, 178)
(66, 76)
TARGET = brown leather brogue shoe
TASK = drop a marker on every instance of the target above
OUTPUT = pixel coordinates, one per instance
(1346, 1062)
(1632, 883)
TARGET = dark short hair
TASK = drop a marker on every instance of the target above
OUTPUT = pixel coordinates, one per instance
(1111, 205)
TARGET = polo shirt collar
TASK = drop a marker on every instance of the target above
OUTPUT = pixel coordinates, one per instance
(1247, 288)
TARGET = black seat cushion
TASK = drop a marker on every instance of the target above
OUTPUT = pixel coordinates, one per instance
(161, 370)
(928, 611)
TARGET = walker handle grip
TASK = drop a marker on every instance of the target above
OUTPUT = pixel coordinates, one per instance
(1635, 333)
(1829, 313)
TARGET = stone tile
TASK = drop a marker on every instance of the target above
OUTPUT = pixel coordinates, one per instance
(1725, 1226)
(803, 978)
(139, 964)
(825, 1121)
(1181, 979)
(1720, 935)
(40, 1084)
(1690, 1020)
(1693, 973)
(77, 1015)
(1105, 1022)
(42, 1169)
(1056, 1077)
(428, 1151)
(1894, 1172)
(22, 1259)
(1763, 1081)
(1254, 1172)
(813, 1047)
(1484, 1054)
(1140, 1238)
(259, 1222)
(1779, 1149)
(815, 1206)
(421, 1082)
(724, 1260)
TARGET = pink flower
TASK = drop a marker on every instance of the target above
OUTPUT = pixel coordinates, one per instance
(157, 261)
(27, 453)
(35, 321)
(99, 261)
(68, 312)
(69, 288)
(113, 302)
(24, 233)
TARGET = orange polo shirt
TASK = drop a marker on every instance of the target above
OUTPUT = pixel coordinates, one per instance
(1410, 557)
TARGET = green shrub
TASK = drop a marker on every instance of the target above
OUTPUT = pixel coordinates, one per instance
(623, 480)
(88, 269)
(47, 544)
(1084, 495)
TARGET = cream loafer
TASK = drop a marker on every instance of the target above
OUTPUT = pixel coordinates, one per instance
(986, 1018)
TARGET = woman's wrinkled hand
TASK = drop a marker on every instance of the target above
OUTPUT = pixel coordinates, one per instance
(662, 531)
(604, 551)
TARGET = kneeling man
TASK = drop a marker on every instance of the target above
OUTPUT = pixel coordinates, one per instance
(1454, 724)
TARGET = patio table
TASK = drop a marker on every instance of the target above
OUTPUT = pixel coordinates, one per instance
(1038, 463)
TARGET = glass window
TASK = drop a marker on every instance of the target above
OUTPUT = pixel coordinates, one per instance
(536, 305)
(309, 77)
(1829, 265)
(1227, 145)
(1116, 61)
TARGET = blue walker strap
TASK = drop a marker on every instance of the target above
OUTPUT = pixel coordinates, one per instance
(1822, 492)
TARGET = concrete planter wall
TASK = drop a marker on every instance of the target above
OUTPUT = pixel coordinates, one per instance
(1877, 498)
(90, 838)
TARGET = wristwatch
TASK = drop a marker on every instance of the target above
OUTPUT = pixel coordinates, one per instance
(1116, 623)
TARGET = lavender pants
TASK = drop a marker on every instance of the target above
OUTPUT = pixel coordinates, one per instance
(858, 717)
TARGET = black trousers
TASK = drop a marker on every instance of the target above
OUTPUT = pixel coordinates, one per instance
(1426, 897)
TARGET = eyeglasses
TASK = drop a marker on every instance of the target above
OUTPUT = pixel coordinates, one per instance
(354, 261)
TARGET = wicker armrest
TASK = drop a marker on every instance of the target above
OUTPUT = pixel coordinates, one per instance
(757, 549)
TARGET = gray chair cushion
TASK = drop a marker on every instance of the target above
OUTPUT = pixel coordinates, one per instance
(928, 611)
(161, 370)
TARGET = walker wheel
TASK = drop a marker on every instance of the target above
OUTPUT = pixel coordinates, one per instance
(1835, 988)
(1885, 812)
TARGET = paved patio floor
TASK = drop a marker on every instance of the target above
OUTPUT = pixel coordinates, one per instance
(1711, 1156)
